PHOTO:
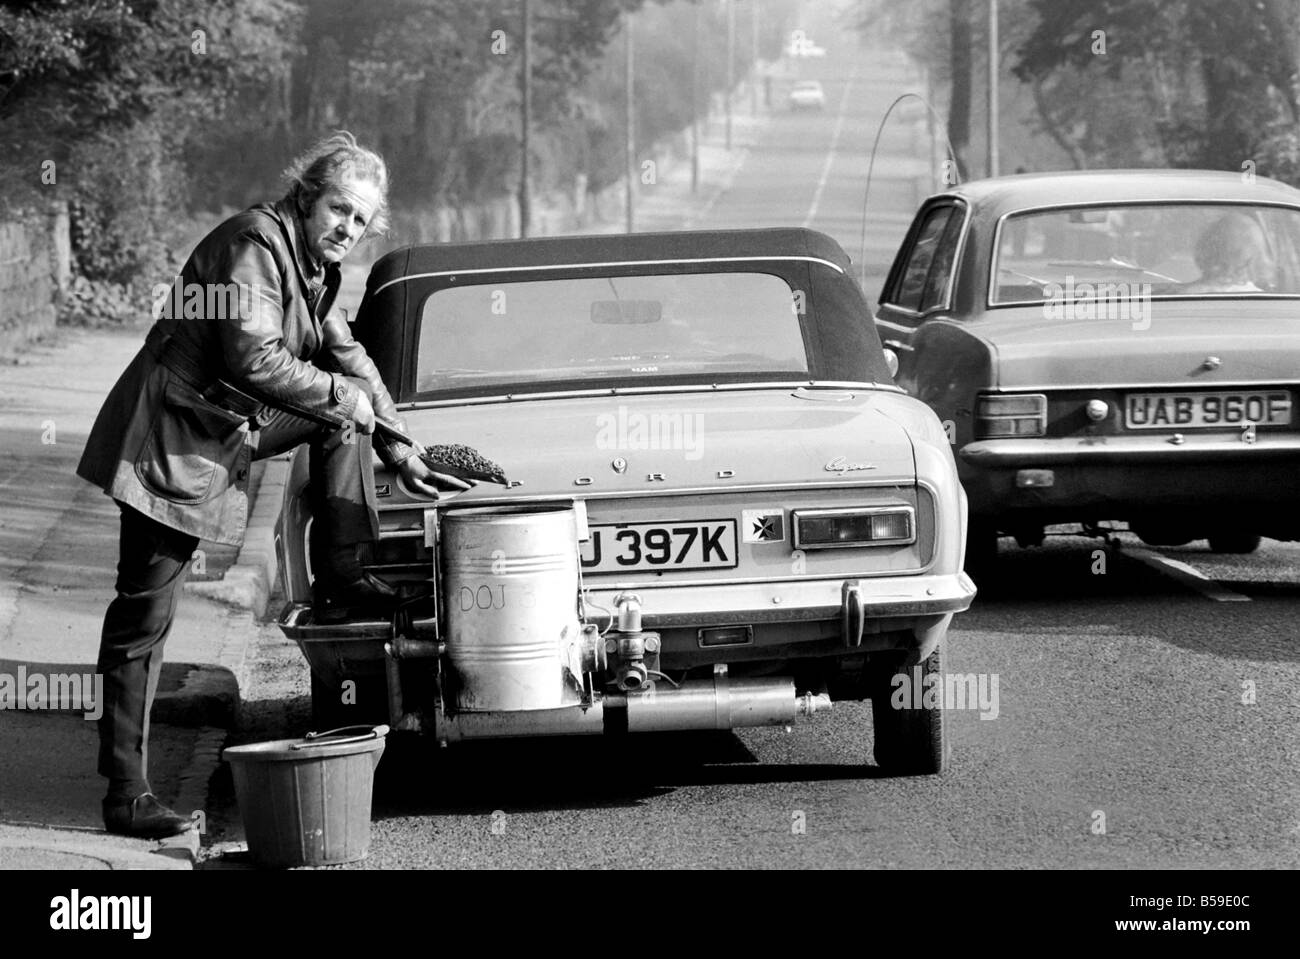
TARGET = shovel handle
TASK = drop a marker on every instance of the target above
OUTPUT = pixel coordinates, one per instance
(318, 739)
(392, 432)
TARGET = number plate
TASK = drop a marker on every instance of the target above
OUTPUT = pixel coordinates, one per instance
(1163, 411)
(638, 547)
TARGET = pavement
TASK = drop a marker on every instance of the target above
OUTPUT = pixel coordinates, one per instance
(58, 552)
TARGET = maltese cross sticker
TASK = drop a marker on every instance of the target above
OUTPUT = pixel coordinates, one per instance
(763, 526)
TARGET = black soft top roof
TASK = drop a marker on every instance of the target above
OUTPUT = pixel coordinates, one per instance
(833, 314)
(607, 248)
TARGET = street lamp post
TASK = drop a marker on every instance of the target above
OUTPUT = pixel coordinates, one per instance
(630, 145)
(526, 120)
(695, 104)
(731, 61)
(993, 87)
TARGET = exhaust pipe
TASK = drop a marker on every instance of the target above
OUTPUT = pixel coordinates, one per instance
(719, 703)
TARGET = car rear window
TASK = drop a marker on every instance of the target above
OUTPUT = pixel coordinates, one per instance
(593, 329)
(1159, 250)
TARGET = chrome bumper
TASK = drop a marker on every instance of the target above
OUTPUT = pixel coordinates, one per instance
(1123, 450)
(851, 602)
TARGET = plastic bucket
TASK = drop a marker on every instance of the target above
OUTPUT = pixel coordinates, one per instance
(306, 802)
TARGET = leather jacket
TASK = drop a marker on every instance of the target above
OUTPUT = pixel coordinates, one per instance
(240, 334)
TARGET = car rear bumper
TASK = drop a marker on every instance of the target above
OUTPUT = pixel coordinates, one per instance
(827, 615)
(1223, 448)
(1117, 477)
(794, 601)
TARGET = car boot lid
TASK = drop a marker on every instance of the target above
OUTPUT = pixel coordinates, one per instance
(656, 442)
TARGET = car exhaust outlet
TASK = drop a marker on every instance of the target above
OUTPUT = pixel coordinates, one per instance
(810, 704)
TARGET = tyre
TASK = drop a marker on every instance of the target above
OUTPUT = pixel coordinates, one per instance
(1154, 534)
(1234, 543)
(909, 738)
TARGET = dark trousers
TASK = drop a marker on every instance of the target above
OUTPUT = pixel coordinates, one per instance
(154, 561)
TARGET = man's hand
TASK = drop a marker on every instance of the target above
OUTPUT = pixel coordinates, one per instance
(364, 415)
(420, 478)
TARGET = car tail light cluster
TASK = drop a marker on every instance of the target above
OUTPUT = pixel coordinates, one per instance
(999, 416)
(875, 526)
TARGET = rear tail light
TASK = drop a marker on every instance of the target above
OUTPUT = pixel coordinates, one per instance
(998, 416)
(833, 528)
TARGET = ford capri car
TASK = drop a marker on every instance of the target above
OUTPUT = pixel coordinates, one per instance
(1109, 347)
(714, 508)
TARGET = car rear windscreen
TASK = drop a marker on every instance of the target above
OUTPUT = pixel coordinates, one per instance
(589, 330)
(1161, 250)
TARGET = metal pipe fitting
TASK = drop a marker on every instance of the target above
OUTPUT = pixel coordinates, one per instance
(717, 703)
(628, 606)
(398, 718)
(405, 648)
(631, 646)
(632, 676)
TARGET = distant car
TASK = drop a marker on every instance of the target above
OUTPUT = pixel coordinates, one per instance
(807, 95)
(1109, 347)
(718, 510)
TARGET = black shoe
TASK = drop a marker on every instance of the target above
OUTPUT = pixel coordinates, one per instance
(336, 598)
(143, 818)
(344, 585)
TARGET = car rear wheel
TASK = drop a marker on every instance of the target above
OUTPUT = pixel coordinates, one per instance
(909, 737)
(1156, 534)
(1234, 543)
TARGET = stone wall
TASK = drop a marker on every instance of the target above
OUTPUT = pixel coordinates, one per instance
(35, 270)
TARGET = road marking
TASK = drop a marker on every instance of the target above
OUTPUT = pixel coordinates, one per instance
(1185, 574)
(830, 155)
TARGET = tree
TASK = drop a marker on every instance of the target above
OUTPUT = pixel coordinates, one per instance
(109, 96)
(1188, 82)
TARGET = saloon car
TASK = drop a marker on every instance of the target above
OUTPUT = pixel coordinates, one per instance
(718, 509)
(1109, 348)
(807, 95)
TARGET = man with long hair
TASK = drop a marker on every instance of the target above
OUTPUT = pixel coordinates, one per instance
(244, 360)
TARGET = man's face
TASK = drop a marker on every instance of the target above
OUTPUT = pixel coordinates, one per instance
(339, 218)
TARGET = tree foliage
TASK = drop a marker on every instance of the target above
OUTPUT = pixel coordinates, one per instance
(100, 100)
(1187, 83)
(149, 109)
(1117, 83)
